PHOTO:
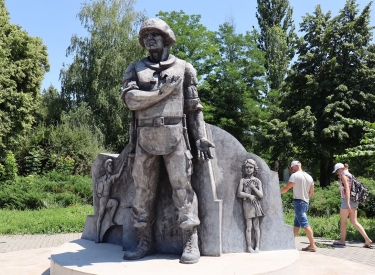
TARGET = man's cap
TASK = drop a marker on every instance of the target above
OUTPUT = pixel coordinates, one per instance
(294, 163)
(337, 167)
(159, 25)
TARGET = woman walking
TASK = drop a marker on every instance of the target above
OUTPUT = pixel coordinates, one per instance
(348, 207)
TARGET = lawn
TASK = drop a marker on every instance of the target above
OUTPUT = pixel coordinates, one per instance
(44, 221)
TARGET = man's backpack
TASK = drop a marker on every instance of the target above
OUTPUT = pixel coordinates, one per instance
(358, 191)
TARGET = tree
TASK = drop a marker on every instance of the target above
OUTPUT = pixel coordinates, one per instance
(277, 38)
(232, 91)
(73, 143)
(331, 80)
(195, 44)
(365, 149)
(23, 63)
(231, 69)
(100, 59)
(51, 107)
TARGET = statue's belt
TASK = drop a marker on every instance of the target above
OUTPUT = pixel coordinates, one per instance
(158, 121)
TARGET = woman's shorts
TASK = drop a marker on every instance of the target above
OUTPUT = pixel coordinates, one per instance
(352, 204)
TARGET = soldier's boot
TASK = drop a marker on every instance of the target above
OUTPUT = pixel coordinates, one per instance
(191, 252)
(145, 244)
(250, 249)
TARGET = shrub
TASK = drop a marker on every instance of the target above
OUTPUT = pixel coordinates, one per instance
(2, 172)
(10, 167)
(326, 201)
(42, 191)
(33, 162)
(287, 200)
(69, 147)
(368, 208)
(65, 165)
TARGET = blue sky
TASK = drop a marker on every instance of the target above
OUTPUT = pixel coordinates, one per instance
(55, 21)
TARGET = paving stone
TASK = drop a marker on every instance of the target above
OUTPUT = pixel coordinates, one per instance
(353, 251)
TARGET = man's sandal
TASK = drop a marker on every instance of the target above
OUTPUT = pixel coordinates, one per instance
(309, 249)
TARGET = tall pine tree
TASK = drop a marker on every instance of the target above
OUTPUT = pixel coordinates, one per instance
(277, 37)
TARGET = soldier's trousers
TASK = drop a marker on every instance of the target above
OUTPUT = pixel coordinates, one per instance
(146, 171)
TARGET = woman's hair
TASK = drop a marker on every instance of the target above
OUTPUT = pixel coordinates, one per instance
(250, 161)
(346, 166)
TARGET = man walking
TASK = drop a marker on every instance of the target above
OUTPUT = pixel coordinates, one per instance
(303, 189)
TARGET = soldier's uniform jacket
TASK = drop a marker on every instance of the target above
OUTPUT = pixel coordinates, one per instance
(169, 111)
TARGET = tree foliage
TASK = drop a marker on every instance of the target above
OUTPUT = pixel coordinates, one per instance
(71, 145)
(23, 63)
(277, 40)
(232, 91)
(366, 148)
(51, 107)
(99, 61)
(331, 80)
(195, 44)
(277, 37)
(9, 170)
(231, 69)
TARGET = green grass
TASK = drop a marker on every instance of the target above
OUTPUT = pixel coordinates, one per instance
(328, 227)
(45, 221)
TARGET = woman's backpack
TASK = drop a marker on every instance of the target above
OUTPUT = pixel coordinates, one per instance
(358, 191)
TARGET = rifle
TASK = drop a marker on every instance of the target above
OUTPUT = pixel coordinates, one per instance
(186, 136)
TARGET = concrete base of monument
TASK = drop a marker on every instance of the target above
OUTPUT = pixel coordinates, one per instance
(86, 257)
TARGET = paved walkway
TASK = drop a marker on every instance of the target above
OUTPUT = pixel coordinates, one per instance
(352, 251)
(29, 254)
(10, 243)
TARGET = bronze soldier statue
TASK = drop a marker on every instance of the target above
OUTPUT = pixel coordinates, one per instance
(161, 92)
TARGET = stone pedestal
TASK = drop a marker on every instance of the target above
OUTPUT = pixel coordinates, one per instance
(83, 257)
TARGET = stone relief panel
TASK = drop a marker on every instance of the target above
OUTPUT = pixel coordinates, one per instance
(107, 204)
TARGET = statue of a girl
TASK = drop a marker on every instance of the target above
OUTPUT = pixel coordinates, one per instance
(250, 190)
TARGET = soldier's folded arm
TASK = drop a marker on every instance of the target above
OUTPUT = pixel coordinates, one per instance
(136, 99)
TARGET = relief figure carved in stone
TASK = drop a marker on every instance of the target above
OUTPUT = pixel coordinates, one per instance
(103, 189)
(251, 191)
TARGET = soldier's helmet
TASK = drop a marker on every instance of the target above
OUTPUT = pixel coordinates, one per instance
(159, 25)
